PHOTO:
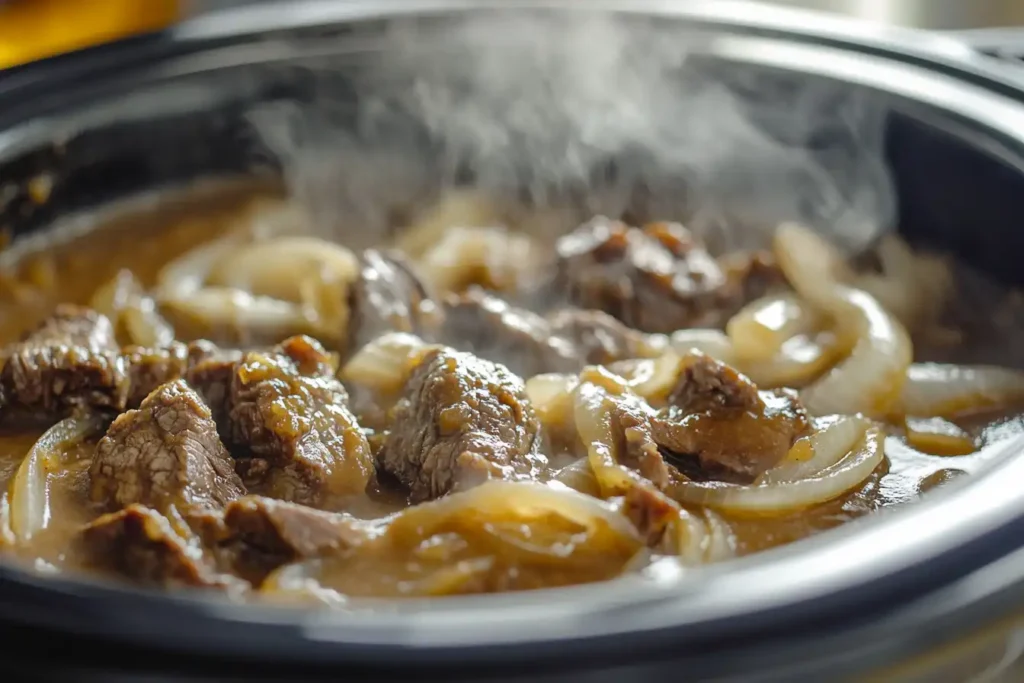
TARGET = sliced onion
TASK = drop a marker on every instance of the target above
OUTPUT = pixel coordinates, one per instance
(811, 265)
(492, 257)
(721, 540)
(277, 268)
(133, 313)
(871, 378)
(711, 342)
(297, 583)
(761, 327)
(579, 477)
(914, 287)
(457, 208)
(651, 378)
(384, 364)
(245, 318)
(936, 436)
(7, 537)
(761, 499)
(30, 488)
(189, 272)
(550, 395)
(692, 537)
(701, 537)
(593, 408)
(833, 438)
(526, 499)
(799, 362)
(946, 390)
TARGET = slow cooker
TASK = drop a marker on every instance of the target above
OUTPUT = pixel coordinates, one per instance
(932, 591)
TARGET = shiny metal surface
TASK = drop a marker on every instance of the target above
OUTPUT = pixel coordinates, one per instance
(926, 14)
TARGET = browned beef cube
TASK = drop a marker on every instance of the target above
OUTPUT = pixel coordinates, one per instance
(165, 453)
(389, 297)
(150, 368)
(487, 326)
(719, 426)
(209, 372)
(261, 534)
(599, 339)
(290, 413)
(461, 420)
(654, 279)
(141, 544)
(70, 361)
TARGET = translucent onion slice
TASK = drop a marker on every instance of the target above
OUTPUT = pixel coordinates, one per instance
(384, 364)
(936, 436)
(7, 536)
(711, 342)
(550, 395)
(833, 438)
(579, 477)
(593, 408)
(945, 390)
(457, 208)
(651, 378)
(799, 362)
(765, 499)
(277, 268)
(702, 537)
(871, 378)
(494, 258)
(30, 488)
(912, 286)
(760, 328)
(245, 318)
(811, 265)
(133, 313)
(721, 540)
(522, 499)
(297, 583)
(188, 273)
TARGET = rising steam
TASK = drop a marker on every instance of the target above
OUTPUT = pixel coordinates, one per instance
(615, 116)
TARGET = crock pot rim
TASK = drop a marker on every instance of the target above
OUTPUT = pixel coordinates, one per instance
(125, 613)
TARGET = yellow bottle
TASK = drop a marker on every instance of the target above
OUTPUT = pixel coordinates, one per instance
(33, 29)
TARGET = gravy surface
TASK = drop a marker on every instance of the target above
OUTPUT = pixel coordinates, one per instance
(71, 268)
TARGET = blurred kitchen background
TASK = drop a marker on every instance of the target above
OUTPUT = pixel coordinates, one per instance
(926, 14)
(32, 29)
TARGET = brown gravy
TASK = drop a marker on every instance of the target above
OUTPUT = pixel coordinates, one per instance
(144, 239)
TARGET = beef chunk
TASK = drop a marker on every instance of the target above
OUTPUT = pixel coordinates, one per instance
(658, 278)
(599, 339)
(209, 372)
(259, 535)
(750, 275)
(141, 544)
(461, 420)
(70, 361)
(652, 513)
(150, 368)
(528, 344)
(166, 453)
(290, 412)
(489, 327)
(389, 297)
(635, 445)
(719, 426)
